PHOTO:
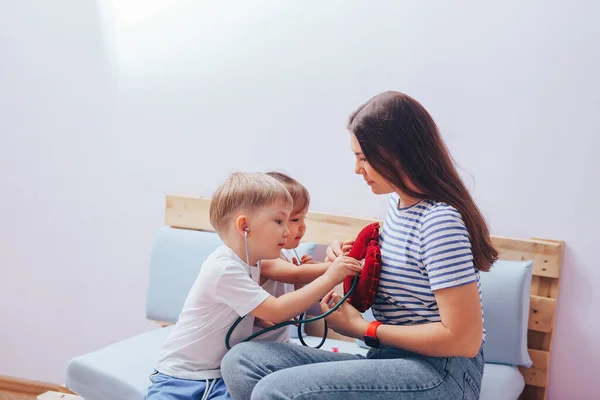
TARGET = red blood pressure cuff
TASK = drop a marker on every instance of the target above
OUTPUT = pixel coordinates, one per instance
(366, 246)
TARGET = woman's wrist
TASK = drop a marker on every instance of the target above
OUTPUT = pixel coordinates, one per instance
(360, 328)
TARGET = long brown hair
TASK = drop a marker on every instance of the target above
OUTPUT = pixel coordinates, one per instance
(401, 142)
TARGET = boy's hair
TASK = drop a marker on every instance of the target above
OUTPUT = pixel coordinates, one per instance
(244, 191)
(297, 190)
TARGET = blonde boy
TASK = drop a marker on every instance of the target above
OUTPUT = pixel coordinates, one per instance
(249, 211)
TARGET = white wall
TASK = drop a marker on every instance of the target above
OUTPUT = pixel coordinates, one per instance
(105, 110)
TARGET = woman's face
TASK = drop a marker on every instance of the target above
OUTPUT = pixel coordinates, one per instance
(377, 183)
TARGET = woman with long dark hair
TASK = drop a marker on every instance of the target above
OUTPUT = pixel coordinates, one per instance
(428, 334)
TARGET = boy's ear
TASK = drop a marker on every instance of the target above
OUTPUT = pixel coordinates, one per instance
(241, 225)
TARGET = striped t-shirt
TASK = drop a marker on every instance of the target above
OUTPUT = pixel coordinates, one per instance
(424, 248)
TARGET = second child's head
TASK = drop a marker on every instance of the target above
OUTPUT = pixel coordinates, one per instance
(256, 204)
(301, 201)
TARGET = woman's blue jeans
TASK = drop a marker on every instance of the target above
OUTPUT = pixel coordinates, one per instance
(276, 371)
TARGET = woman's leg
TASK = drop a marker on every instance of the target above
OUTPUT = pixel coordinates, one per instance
(278, 374)
(247, 363)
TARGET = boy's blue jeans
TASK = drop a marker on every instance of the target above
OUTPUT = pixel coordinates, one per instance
(166, 387)
(277, 371)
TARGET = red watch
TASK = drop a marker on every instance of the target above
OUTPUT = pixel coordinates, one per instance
(371, 337)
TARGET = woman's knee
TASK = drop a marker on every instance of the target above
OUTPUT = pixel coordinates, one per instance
(269, 388)
(239, 355)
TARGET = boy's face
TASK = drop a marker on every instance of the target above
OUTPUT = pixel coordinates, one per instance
(297, 227)
(269, 230)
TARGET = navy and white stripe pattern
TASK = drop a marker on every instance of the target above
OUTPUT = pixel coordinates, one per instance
(424, 248)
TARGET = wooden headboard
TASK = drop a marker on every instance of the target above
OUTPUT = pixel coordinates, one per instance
(190, 212)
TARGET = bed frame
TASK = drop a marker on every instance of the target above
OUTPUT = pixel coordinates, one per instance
(191, 212)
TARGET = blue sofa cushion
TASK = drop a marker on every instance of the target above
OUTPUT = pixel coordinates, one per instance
(119, 371)
(501, 382)
(506, 290)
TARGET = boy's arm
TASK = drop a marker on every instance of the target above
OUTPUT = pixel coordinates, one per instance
(289, 305)
(286, 272)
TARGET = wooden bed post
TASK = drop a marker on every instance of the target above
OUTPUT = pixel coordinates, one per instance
(547, 256)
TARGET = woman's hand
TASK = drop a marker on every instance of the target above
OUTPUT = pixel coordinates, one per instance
(338, 248)
(346, 320)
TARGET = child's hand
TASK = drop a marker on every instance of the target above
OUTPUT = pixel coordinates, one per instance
(343, 266)
(306, 259)
(338, 248)
(332, 251)
(347, 246)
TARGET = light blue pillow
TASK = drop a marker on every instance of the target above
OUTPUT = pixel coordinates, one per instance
(506, 290)
(176, 259)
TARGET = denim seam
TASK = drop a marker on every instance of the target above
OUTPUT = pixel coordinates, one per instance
(471, 383)
(350, 388)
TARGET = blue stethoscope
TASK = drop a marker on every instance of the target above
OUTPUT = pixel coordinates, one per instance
(298, 321)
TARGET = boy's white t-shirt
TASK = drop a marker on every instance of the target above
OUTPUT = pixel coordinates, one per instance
(276, 289)
(223, 291)
(281, 335)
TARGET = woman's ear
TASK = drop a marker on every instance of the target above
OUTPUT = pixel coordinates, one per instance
(241, 225)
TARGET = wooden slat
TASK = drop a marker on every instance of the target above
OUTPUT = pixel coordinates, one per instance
(20, 385)
(541, 313)
(538, 287)
(192, 212)
(554, 289)
(535, 285)
(189, 212)
(538, 340)
(533, 393)
(546, 255)
(546, 287)
(58, 396)
(551, 286)
(537, 374)
(546, 290)
(324, 228)
(65, 389)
